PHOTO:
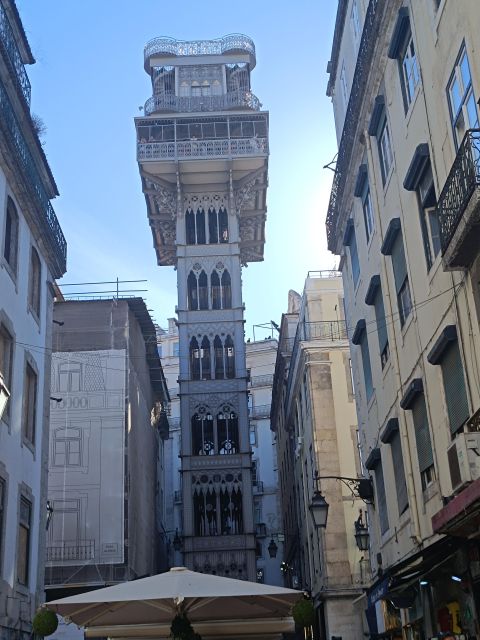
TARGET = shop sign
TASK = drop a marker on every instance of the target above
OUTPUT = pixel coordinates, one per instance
(378, 592)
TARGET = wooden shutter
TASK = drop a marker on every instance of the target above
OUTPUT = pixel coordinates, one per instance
(454, 385)
(367, 369)
(399, 472)
(422, 433)
(354, 258)
(381, 498)
(381, 322)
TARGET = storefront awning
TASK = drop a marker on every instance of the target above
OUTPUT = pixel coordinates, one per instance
(461, 516)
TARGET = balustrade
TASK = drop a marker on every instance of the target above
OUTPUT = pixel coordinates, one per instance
(199, 149)
(71, 551)
(170, 46)
(187, 104)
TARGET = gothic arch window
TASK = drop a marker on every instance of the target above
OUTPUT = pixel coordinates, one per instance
(203, 291)
(196, 89)
(216, 88)
(192, 291)
(226, 286)
(217, 504)
(194, 359)
(231, 510)
(216, 292)
(212, 226)
(184, 90)
(227, 432)
(223, 225)
(229, 358)
(195, 227)
(202, 434)
(217, 225)
(205, 360)
(205, 511)
(205, 88)
(219, 361)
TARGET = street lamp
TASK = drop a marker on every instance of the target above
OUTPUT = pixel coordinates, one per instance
(319, 510)
(272, 549)
(362, 536)
(4, 396)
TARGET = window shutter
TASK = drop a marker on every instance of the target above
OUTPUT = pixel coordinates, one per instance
(454, 385)
(381, 498)
(367, 369)
(422, 433)
(398, 262)
(354, 258)
(399, 472)
(381, 322)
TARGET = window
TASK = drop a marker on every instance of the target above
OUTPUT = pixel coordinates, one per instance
(23, 550)
(391, 436)
(197, 291)
(385, 148)
(374, 297)
(428, 216)
(29, 404)
(6, 364)
(350, 240)
(176, 349)
(10, 248)
(200, 361)
(227, 432)
(381, 497)
(368, 211)
(3, 496)
(423, 441)
(461, 99)
(360, 338)
(229, 358)
(221, 290)
(343, 84)
(355, 19)
(195, 227)
(410, 75)
(202, 435)
(255, 480)
(253, 435)
(393, 246)
(34, 290)
(217, 225)
(67, 448)
(70, 377)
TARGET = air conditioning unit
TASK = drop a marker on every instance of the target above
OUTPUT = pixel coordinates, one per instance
(464, 460)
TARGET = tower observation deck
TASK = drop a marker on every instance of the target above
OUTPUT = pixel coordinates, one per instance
(202, 151)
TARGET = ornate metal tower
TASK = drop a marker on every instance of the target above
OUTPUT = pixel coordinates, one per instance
(202, 150)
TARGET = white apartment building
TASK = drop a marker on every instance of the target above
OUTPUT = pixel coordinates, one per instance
(404, 78)
(32, 255)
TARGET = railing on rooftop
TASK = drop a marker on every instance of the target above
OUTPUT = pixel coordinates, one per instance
(368, 43)
(188, 104)
(48, 220)
(170, 46)
(325, 274)
(9, 44)
(262, 381)
(463, 179)
(68, 551)
(202, 149)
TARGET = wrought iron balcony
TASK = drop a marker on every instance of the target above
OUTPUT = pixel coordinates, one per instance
(458, 206)
(69, 551)
(202, 149)
(368, 44)
(48, 222)
(172, 47)
(324, 330)
(260, 411)
(9, 46)
(188, 104)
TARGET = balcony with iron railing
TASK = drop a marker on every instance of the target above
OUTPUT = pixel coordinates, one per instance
(71, 551)
(260, 411)
(9, 46)
(262, 381)
(201, 149)
(169, 103)
(458, 206)
(234, 42)
(47, 220)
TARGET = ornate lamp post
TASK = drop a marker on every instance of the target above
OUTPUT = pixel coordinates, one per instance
(362, 536)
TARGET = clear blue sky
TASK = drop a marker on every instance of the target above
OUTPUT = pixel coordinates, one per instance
(87, 85)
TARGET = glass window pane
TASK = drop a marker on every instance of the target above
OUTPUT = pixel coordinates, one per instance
(472, 112)
(465, 70)
(455, 97)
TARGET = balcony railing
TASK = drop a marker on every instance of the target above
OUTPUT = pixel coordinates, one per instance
(170, 46)
(262, 381)
(324, 330)
(461, 184)
(260, 411)
(325, 274)
(71, 551)
(188, 104)
(202, 149)
(49, 224)
(368, 44)
(8, 43)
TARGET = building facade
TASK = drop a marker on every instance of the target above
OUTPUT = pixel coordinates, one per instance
(314, 419)
(107, 428)
(202, 149)
(33, 254)
(404, 79)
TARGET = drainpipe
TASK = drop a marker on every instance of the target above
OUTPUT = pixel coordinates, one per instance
(407, 459)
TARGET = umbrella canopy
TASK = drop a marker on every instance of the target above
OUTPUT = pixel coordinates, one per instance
(147, 607)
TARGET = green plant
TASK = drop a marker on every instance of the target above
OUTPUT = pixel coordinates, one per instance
(45, 622)
(181, 629)
(303, 613)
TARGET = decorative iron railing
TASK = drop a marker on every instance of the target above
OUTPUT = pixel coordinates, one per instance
(71, 551)
(48, 220)
(260, 411)
(199, 149)
(170, 46)
(8, 43)
(463, 179)
(368, 44)
(188, 104)
(262, 381)
(325, 274)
